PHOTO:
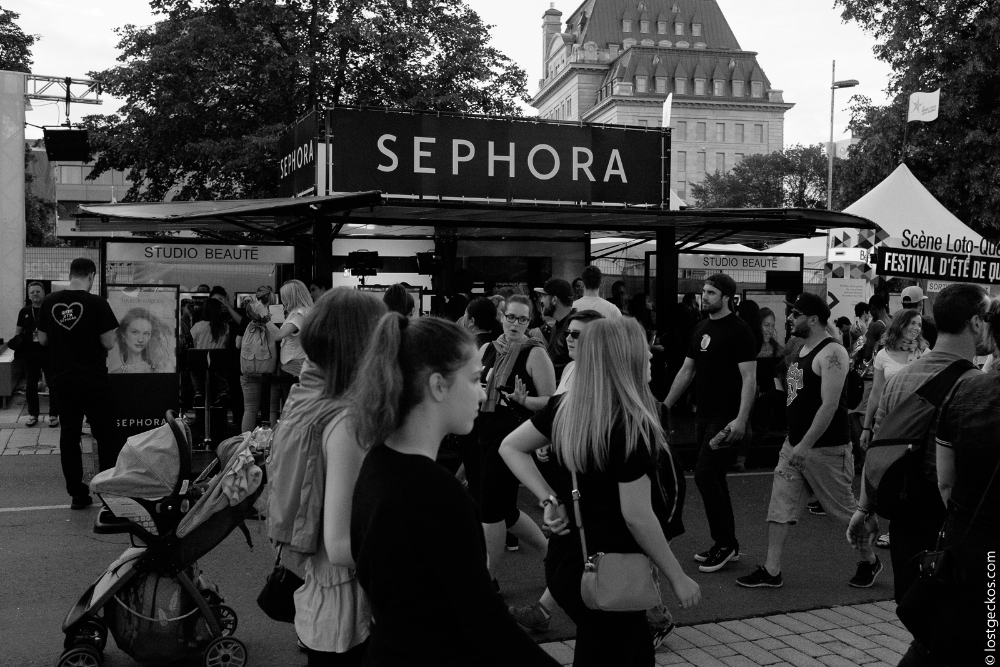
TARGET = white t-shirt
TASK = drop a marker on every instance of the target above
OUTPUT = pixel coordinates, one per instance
(567, 377)
(604, 307)
(890, 366)
(291, 348)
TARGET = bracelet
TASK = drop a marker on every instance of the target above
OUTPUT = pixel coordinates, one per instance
(866, 428)
(551, 500)
(867, 513)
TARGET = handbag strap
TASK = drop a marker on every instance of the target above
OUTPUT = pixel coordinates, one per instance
(277, 561)
(579, 519)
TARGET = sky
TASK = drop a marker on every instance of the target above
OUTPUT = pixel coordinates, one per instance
(796, 42)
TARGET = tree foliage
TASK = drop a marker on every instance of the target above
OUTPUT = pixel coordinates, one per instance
(210, 87)
(39, 213)
(792, 178)
(15, 46)
(949, 44)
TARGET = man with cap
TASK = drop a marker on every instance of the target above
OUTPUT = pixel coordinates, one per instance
(816, 455)
(913, 299)
(722, 361)
(557, 302)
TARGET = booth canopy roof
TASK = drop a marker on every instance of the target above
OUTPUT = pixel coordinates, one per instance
(287, 218)
(901, 202)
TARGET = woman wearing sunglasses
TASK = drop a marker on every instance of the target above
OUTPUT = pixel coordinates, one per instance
(519, 377)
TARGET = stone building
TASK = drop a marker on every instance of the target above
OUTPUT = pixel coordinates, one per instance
(615, 61)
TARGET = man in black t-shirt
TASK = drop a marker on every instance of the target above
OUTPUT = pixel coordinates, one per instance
(722, 361)
(79, 328)
(557, 303)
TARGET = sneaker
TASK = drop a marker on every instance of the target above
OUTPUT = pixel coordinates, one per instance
(534, 617)
(816, 509)
(53, 421)
(702, 556)
(760, 578)
(660, 634)
(865, 576)
(81, 502)
(221, 400)
(512, 543)
(32, 421)
(718, 558)
(198, 400)
(660, 624)
(883, 541)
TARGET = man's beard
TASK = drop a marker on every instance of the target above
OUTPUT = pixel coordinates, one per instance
(801, 331)
(549, 310)
(712, 307)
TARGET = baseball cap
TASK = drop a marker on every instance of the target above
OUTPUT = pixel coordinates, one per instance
(912, 296)
(558, 288)
(810, 304)
(723, 283)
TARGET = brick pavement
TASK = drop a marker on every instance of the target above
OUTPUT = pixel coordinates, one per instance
(862, 634)
(19, 439)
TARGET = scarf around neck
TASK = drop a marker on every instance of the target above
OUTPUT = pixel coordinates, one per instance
(507, 354)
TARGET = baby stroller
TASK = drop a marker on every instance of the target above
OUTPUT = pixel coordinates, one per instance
(153, 599)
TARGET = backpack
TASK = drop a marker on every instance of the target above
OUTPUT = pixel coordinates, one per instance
(895, 458)
(257, 355)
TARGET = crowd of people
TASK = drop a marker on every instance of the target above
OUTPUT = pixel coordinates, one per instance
(402, 443)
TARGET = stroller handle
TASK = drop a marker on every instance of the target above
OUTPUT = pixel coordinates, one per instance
(184, 447)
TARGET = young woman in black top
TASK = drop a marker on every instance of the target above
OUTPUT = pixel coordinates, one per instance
(415, 533)
(607, 429)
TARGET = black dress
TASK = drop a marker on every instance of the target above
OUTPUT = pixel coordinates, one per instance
(421, 558)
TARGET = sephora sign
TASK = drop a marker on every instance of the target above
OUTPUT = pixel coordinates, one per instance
(477, 157)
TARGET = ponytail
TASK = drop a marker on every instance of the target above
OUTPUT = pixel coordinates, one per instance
(393, 373)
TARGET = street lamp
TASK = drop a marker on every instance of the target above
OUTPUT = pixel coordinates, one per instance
(849, 83)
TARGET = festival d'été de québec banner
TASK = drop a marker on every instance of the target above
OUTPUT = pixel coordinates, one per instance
(938, 266)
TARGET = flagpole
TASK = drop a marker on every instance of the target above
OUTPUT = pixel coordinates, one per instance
(906, 126)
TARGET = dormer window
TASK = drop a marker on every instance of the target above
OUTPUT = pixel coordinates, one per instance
(757, 89)
(737, 88)
(661, 27)
(643, 26)
(699, 86)
(641, 84)
(626, 25)
(680, 86)
(661, 85)
(678, 28)
(696, 29)
(718, 87)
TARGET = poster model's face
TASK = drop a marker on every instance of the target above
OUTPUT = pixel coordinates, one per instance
(137, 335)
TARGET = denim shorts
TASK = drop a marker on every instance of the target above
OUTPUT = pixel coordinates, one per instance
(827, 472)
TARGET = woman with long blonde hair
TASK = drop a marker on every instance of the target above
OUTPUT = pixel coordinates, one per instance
(298, 302)
(606, 429)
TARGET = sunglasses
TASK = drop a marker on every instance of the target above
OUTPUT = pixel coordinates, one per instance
(573, 333)
(511, 319)
(797, 313)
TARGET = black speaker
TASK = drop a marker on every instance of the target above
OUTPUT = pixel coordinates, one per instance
(66, 145)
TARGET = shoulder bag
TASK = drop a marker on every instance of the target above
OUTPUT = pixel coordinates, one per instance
(615, 581)
(275, 598)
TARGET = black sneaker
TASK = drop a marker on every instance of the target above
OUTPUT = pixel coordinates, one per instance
(702, 556)
(512, 543)
(760, 578)
(534, 617)
(81, 502)
(718, 558)
(816, 509)
(865, 576)
(660, 634)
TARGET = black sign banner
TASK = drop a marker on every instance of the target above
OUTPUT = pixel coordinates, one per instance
(462, 156)
(297, 148)
(938, 266)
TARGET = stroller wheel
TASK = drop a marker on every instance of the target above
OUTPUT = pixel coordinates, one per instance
(226, 652)
(92, 632)
(226, 616)
(81, 656)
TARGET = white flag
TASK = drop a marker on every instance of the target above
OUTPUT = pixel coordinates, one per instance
(665, 119)
(924, 106)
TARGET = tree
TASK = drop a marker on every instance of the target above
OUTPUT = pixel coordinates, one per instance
(949, 44)
(39, 213)
(209, 89)
(15, 46)
(793, 178)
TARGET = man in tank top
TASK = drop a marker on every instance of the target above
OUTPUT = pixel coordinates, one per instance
(817, 454)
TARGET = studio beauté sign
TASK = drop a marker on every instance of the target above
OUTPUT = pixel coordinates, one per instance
(456, 156)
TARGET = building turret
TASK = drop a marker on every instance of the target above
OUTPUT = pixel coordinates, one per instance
(551, 25)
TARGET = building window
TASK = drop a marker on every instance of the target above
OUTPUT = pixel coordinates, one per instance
(682, 160)
(661, 27)
(569, 108)
(720, 132)
(661, 84)
(696, 29)
(718, 87)
(682, 189)
(699, 132)
(626, 25)
(739, 158)
(643, 122)
(699, 86)
(640, 84)
(71, 175)
(643, 26)
(720, 162)
(758, 134)
(739, 133)
(757, 89)
(682, 131)
(678, 28)
(700, 164)
(680, 86)
(737, 89)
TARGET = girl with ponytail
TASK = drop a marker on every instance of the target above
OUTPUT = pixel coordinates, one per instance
(415, 533)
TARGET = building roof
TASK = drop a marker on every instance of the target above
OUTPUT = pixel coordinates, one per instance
(604, 25)
(686, 64)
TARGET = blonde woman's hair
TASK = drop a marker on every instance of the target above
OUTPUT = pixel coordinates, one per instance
(610, 388)
(295, 294)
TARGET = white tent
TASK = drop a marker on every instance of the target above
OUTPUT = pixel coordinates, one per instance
(813, 250)
(639, 251)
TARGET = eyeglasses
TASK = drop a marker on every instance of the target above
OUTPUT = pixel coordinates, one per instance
(573, 333)
(511, 319)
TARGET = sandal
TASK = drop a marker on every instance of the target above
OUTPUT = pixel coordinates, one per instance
(883, 541)
(32, 421)
(53, 421)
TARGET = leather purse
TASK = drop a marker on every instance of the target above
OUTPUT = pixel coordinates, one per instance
(275, 599)
(615, 581)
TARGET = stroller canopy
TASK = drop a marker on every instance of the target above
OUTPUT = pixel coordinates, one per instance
(147, 467)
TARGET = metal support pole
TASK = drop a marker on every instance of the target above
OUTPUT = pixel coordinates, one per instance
(829, 150)
(666, 273)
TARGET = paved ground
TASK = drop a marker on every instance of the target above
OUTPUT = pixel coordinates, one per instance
(48, 556)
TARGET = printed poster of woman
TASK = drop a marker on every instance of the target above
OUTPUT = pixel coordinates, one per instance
(146, 339)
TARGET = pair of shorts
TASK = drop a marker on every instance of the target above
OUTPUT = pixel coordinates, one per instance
(497, 489)
(827, 472)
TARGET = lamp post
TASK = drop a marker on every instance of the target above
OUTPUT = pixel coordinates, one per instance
(834, 85)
